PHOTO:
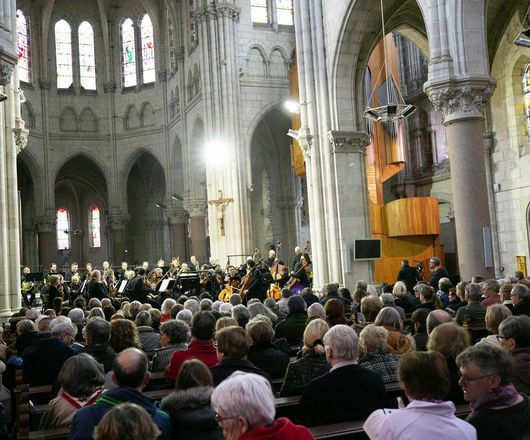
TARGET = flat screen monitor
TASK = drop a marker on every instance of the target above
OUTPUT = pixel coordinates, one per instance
(367, 249)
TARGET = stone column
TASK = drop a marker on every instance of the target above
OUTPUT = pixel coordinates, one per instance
(46, 240)
(348, 149)
(461, 103)
(178, 232)
(197, 211)
(117, 226)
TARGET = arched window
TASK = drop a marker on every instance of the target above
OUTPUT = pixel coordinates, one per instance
(63, 54)
(526, 92)
(148, 50)
(128, 53)
(95, 227)
(87, 59)
(284, 11)
(259, 11)
(23, 47)
(63, 229)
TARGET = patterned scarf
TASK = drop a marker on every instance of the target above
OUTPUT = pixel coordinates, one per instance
(500, 396)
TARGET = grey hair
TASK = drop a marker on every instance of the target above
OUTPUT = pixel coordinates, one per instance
(271, 304)
(492, 285)
(96, 311)
(474, 292)
(77, 316)
(521, 291)
(518, 328)
(25, 326)
(94, 302)
(489, 359)
(143, 318)
(240, 312)
(389, 316)
(185, 315)
(316, 309)
(258, 308)
(216, 305)
(399, 289)
(434, 261)
(435, 318)
(373, 338)
(246, 395)
(64, 327)
(206, 304)
(167, 305)
(362, 285)
(343, 342)
(192, 305)
(387, 299)
(225, 309)
(177, 331)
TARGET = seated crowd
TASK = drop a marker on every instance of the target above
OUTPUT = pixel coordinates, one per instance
(337, 352)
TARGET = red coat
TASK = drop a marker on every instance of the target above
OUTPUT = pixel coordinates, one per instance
(202, 350)
(282, 429)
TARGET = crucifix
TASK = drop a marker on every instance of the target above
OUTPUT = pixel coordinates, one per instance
(220, 205)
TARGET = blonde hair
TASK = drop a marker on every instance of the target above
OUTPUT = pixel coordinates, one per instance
(449, 339)
(495, 314)
(315, 331)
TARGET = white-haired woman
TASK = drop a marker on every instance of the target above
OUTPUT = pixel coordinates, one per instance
(375, 356)
(245, 410)
(166, 307)
(402, 298)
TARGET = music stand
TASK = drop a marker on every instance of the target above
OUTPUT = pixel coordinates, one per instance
(122, 287)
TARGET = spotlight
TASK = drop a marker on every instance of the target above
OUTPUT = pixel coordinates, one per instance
(177, 197)
(160, 205)
(523, 39)
(216, 153)
(390, 112)
(293, 133)
(292, 106)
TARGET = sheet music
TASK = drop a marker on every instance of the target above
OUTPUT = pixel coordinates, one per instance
(123, 284)
(164, 284)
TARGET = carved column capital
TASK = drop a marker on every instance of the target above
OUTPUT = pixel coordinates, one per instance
(21, 138)
(6, 70)
(118, 222)
(196, 207)
(305, 140)
(44, 223)
(460, 99)
(348, 141)
(177, 216)
(214, 11)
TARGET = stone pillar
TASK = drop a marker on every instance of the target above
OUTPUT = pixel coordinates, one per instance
(348, 149)
(46, 240)
(461, 103)
(117, 225)
(178, 232)
(197, 217)
(290, 209)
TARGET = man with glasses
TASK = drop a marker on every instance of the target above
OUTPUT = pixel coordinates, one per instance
(520, 296)
(514, 336)
(498, 411)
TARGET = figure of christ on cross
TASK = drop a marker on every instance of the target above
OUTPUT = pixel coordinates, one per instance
(220, 205)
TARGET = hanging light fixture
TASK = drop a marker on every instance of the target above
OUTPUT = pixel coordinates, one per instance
(396, 108)
(523, 39)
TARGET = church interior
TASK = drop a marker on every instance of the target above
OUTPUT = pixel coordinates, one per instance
(124, 123)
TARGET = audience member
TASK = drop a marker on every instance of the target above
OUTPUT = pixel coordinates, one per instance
(97, 343)
(335, 312)
(520, 296)
(505, 295)
(401, 297)
(514, 336)
(123, 334)
(490, 290)
(498, 411)
(315, 311)
(425, 380)
(149, 339)
(200, 347)
(126, 421)
(81, 379)
(374, 353)
(387, 299)
(232, 350)
(419, 320)
(444, 285)
(241, 314)
(398, 342)
(330, 291)
(245, 409)
(472, 314)
(313, 362)
(435, 318)
(189, 406)
(308, 296)
(450, 340)
(131, 375)
(495, 314)
(174, 336)
(292, 327)
(348, 392)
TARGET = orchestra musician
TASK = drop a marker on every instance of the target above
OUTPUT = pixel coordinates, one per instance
(27, 287)
(71, 271)
(88, 270)
(137, 289)
(297, 256)
(207, 280)
(96, 287)
(122, 273)
(145, 266)
(301, 276)
(252, 285)
(75, 286)
(232, 280)
(51, 290)
(268, 262)
(195, 266)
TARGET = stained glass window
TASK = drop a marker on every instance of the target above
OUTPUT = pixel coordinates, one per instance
(23, 47)
(63, 229)
(63, 54)
(284, 11)
(128, 53)
(526, 94)
(95, 228)
(87, 59)
(148, 50)
(258, 11)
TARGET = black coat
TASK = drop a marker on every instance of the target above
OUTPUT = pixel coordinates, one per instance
(103, 353)
(410, 276)
(43, 359)
(136, 290)
(270, 359)
(292, 328)
(522, 307)
(96, 290)
(346, 394)
(226, 367)
(191, 414)
(437, 275)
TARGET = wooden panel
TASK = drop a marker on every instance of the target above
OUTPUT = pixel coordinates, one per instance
(376, 218)
(412, 216)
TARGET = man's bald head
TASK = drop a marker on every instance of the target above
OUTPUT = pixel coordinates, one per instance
(435, 318)
(131, 369)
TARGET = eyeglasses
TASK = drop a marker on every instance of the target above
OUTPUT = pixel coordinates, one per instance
(499, 337)
(466, 379)
(220, 419)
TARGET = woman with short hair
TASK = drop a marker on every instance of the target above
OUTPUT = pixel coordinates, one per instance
(81, 379)
(127, 421)
(375, 356)
(174, 336)
(245, 410)
(424, 377)
(498, 411)
(398, 342)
